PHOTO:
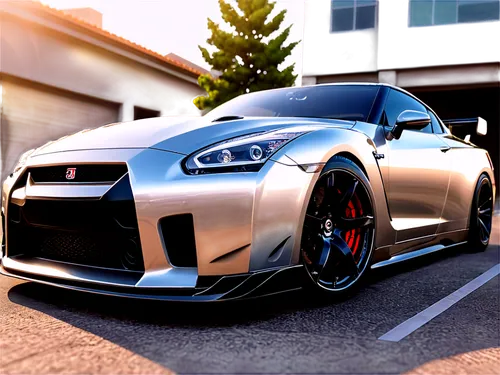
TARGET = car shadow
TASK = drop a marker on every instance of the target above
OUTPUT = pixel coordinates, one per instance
(129, 322)
(462, 251)
(382, 273)
(54, 301)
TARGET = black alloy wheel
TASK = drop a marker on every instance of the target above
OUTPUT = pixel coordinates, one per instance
(481, 217)
(339, 227)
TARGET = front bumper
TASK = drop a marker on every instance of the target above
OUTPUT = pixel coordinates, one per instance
(244, 224)
(222, 288)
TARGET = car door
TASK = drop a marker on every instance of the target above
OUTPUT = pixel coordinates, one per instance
(419, 173)
(456, 211)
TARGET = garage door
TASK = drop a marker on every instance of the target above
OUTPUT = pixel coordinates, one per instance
(34, 115)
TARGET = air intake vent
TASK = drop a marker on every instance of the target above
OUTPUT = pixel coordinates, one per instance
(178, 235)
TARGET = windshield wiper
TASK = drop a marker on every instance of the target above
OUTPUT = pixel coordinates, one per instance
(228, 118)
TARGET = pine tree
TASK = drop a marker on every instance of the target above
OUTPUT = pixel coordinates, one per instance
(249, 57)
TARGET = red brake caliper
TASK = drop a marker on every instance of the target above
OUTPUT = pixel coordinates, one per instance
(353, 237)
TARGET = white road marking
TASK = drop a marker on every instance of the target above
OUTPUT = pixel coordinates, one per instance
(409, 326)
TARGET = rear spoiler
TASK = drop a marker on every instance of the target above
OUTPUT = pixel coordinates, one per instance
(480, 124)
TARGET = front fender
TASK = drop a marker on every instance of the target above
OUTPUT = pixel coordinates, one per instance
(320, 146)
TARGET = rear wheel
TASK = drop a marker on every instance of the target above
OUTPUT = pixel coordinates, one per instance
(481, 215)
(339, 227)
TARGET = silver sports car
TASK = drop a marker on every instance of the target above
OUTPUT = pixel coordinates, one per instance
(272, 191)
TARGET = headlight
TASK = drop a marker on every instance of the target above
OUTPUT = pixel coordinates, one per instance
(22, 160)
(246, 153)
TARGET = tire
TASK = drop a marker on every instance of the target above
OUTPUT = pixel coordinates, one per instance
(480, 224)
(339, 229)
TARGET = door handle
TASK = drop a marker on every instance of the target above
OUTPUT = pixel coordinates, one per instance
(445, 148)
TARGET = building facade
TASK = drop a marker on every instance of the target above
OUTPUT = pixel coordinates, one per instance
(60, 74)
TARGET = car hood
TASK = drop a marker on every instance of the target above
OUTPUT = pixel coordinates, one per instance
(182, 135)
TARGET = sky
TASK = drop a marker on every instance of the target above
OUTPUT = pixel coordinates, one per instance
(177, 26)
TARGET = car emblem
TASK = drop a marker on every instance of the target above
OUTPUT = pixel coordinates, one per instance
(70, 173)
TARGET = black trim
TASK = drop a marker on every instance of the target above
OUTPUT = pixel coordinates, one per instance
(381, 128)
(230, 169)
(179, 240)
(228, 118)
(88, 173)
(461, 121)
(276, 253)
(377, 111)
(95, 233)
(227, 255)
(440, 127)
(242, 286)
(2, 252)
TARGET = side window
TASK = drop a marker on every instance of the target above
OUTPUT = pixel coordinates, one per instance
(436, 126)
(398, 102)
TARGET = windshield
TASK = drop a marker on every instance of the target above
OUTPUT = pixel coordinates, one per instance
(346, 102)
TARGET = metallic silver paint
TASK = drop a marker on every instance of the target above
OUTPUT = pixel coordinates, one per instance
(417, 184)
(182, 135)
(281, 198)
(422, 196)
(221, 205)
(61, 191)
(322, 145)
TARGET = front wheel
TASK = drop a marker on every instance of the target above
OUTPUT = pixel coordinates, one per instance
(481, 215)
(339, 228)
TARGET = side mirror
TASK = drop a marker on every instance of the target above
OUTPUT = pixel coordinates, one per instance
(409, 120)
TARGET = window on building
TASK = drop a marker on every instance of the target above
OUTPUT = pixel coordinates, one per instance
(142, 113)
(445, 12)
(350, 15)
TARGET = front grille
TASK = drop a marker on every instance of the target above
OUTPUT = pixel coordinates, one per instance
(98, 249)
(106, 173)
(178, 236)
(77, 215)
(99, 233)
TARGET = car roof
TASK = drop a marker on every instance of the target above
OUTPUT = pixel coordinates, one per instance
(380, 84)
(359, 83)
(347, 83)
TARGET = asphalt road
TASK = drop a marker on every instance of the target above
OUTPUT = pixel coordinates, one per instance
(47, 331)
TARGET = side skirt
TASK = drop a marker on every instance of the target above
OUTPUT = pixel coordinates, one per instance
(414, 254)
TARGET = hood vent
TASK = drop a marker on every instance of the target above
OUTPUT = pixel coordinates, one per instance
(228, 118)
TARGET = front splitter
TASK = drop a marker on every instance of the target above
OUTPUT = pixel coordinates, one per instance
(225, 288)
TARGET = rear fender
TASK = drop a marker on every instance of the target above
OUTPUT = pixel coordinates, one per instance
(467, 165)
